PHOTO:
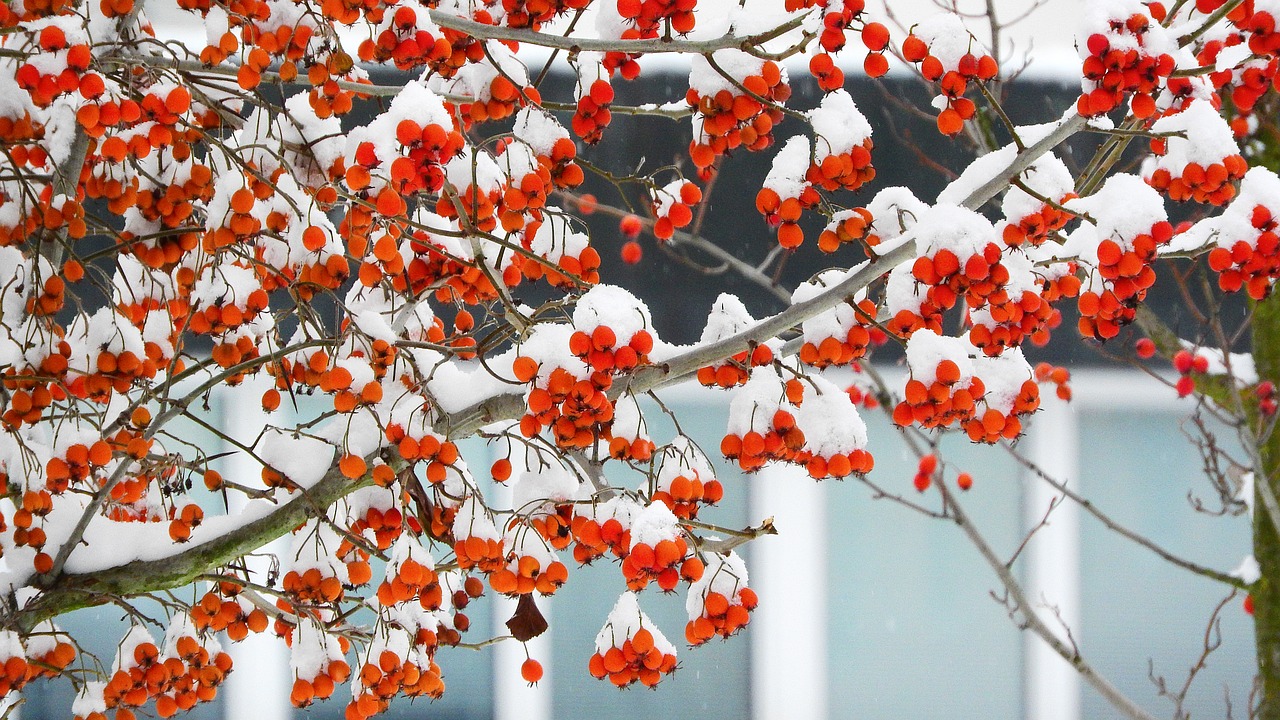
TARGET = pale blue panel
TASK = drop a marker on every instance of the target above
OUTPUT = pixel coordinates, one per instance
(914, 632)
(1139, 468)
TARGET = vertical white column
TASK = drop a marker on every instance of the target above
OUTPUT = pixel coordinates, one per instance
(513, 698)
(260, 684)
(1051, 685)
(789, 630)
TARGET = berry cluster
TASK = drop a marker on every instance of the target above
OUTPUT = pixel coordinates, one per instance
(837, 336)
(477, 543)
(533, 13)
(1129, 55)
(738, 113)
(530, 566)
(1030, 220)
(408, 38)
(399, 670)
(188, 672)
(1250, 265)
(720, 603)
(842, 148)
(1199, 160)
(839, 448)
(1189, 364)
(1124, 267)
(630, 648)
(762, 422)
(322, 667)
(686, 480)
(571, 407)
(946, 398)
(671, 207)
(658, 551)
(420, 444)
(222, 608)
(1015, 311)
(1005, 323)
(932, 45)
(651, 17)
(837, 20)
(736, 369)
(847, 226)
(1004, 423)
(59, 64)
(975, 276)
(603, 527)
(573, 262)
(786, 193)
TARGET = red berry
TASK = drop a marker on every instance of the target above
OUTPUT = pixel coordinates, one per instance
(928, 464)
(631, 253)
(1248, 604)
(1186, 385)
(630, 226)
(914, 49)
(875, 36)
(922, 482)
(1182, 362)
(1145, 347)
(1200, 364)
(531, 671)
(1098, 44)
(965, 481)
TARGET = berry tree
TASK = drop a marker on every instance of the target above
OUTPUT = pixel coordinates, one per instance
(178, 220)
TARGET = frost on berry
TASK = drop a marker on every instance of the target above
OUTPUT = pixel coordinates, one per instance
(729, 317)
(842, 144)
(840, 335)
(1245, 251)
(952, 382)
(686, 481)
(316, 659)
(951, 56)
(630, 648)
(835, 436)
(729, 114)
(1200, 159)
(568, 250)
(1129, 226)
(477, 544)
(720, 603)
(1126, 56)
(958, 257)
(543, 496)
(786, 192)
(488, 90)
(659, 552)
(603, 526)
(1028, 219)
(613, 329)
(531, 564)
(761, 425)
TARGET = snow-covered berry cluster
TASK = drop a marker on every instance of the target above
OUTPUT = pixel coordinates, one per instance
(945, 51)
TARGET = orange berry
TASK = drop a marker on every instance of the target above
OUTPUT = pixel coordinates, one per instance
(531, 671)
